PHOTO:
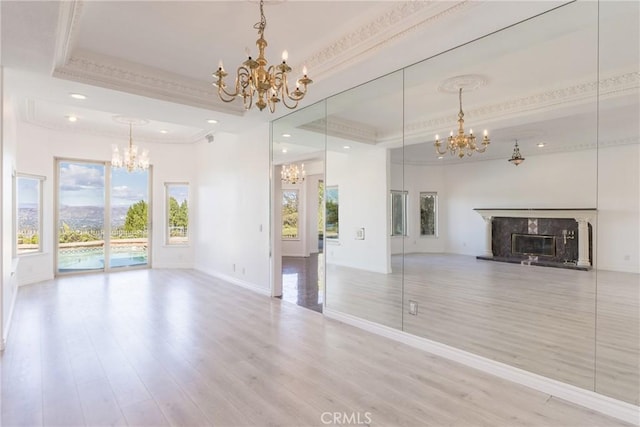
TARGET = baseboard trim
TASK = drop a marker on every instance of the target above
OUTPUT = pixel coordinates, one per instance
(606, 405)
(236, 281)
(7, 329)
(173, 265)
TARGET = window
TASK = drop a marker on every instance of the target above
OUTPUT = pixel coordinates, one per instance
(29, 214)
(332, 209)
(398, 213)
(428, 214)
(290, 214)
(177, 230)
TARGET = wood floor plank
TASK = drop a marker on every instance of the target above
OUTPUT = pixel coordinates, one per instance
(178, 347)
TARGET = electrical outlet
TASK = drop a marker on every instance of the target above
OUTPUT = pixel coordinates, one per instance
(413, 307)
(242, 270)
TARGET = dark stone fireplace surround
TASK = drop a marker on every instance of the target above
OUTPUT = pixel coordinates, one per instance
(505, 223)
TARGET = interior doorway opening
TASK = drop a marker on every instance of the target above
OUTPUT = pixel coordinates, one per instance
(303, 272)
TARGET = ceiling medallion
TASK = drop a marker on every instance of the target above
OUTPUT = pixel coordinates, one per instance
(468, 82)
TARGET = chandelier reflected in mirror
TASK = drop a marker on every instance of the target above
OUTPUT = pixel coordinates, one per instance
(129, 157)
(461, 143)
(292, 174)
(256, 79)
(516, 157)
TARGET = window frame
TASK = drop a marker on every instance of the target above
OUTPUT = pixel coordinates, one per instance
(435, 213)
(40, 201)
(404, 196)
(167, 213)
(329, 189)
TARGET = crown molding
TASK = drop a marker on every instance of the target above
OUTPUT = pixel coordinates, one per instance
(602, 144)
(612, 86)
(28, 115)
(398, 22)
(341, 128)
(66, 34)
(608, 87)
(117, 74)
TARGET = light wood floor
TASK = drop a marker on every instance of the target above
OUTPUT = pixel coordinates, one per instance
(177, 347)
(579, 327)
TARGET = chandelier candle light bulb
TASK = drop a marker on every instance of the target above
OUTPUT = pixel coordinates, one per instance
(256, 79)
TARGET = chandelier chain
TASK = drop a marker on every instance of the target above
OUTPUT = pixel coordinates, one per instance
(260, 26)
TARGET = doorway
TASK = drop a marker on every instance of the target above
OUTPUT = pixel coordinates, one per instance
(303, 276)
(102, 217)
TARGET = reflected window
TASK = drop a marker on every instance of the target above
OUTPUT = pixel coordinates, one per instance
(177, 213)
(29, 214)
(398, 213)
(332, 212)
(428, 213)
(290, 214)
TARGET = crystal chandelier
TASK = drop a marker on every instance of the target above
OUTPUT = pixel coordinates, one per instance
(129, 157)
(291, 174)
(516, 157)
(462, 143)
(255, 78)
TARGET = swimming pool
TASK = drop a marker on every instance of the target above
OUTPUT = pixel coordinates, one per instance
(79, 259)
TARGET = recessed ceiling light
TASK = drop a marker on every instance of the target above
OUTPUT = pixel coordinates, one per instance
(77, 96)
(72, 118)
(346, 147)
(540, 144)
(284, 150)
(286, 135)
(212, 121)
(164, 131)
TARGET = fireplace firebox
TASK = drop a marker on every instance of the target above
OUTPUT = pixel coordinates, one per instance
(533, 244)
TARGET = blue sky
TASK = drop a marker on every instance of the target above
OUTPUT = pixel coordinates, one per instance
(82, 184)
(179, 192)
(28, 192)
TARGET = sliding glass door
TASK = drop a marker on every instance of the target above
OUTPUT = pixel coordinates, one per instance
(102, 217)
(129, 200)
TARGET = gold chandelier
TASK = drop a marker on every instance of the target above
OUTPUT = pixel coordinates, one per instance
(129, 157)
(291, 174)
(462, 143)
(268, 84)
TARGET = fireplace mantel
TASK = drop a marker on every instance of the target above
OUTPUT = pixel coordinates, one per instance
(586, 213)
(583, 216)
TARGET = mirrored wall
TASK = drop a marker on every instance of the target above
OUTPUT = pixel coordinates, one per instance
(523, 247)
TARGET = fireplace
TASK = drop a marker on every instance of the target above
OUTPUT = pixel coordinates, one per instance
(546, 237)
(533, 244)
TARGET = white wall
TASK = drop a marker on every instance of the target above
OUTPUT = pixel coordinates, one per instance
(618, 225)
(416, 179)
(7, 268)
(36, 152)
(606, 179)
(363, 184)
(232, 215)
(564, 180)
